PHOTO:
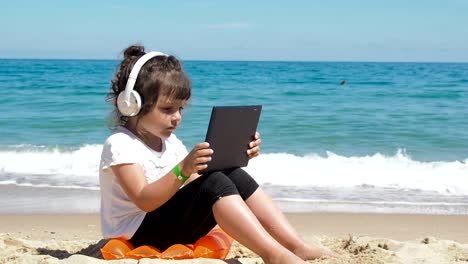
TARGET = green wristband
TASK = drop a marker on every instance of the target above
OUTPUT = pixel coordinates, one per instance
(178, 173)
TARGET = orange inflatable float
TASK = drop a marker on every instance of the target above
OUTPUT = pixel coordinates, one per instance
(216, 244)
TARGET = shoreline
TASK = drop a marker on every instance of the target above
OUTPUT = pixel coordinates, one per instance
(24, 199)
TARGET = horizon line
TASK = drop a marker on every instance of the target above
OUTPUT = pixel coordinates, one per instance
(241, 60)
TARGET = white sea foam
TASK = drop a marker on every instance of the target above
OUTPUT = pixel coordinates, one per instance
(53, 167)
(398, 171)
(45, 167)
(376, 183)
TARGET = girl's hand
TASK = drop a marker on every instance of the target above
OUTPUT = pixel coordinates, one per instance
(196, 160)
(254, 146)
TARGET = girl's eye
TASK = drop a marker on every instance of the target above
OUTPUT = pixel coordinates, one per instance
(171, 110)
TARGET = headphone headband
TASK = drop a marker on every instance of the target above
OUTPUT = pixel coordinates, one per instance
(136, 69)
(129, 101)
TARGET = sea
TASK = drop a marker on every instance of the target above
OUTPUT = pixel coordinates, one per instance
(357, 137)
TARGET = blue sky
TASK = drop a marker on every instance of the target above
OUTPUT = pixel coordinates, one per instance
(333, 30)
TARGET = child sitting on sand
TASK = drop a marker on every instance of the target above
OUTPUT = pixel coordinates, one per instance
(151, 191)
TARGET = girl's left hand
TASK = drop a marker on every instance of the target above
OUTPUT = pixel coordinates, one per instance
(254, 146)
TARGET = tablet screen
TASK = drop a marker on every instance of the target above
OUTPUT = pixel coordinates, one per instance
(230, 131)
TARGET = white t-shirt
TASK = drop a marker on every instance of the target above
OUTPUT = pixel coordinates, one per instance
(120, 217)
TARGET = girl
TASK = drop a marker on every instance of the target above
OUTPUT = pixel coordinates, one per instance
(151, 193)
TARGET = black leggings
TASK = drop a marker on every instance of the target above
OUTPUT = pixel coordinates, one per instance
(188, 215)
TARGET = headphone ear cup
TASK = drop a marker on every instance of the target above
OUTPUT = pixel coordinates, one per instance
(129, 107)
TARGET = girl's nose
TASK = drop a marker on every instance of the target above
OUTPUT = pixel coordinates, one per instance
(177, 116)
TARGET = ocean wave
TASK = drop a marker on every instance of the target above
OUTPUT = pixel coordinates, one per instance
(397, 172)
(50, 166)
(68, 167)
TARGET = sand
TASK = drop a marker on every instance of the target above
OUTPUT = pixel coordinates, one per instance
(359, 238)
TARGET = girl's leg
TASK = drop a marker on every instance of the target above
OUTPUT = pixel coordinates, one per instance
(275, 222)
(234, 217)
(272, 219)
(187, 216)
(194, 210)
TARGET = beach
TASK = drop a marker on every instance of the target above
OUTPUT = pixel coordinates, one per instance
(359, 238)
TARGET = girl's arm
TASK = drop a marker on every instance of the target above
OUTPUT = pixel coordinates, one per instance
(149, 196)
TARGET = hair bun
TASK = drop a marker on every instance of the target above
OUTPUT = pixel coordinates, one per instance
(134, 50)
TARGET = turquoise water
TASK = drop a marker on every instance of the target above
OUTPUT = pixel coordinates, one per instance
(401, 126)
(384, 107)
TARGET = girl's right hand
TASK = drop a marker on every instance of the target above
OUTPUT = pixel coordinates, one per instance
(196, 160)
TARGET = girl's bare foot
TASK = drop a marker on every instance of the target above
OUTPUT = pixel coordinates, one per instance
(286, 257)
(309, 252)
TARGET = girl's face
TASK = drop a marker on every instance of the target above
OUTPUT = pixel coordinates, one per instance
(164, 118)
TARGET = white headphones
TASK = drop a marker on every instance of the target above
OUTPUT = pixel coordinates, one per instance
(129, 101)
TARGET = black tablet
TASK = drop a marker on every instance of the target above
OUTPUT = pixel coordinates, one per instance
(230, 131)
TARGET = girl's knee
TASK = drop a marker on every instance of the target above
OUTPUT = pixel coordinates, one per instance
(238, 175)
(217, 185)
(245, 184)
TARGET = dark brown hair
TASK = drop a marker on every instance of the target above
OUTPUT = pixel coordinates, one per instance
(161, 75)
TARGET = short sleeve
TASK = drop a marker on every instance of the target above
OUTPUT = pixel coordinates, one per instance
(118, 149)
